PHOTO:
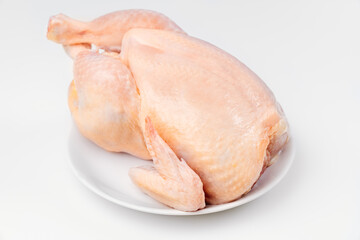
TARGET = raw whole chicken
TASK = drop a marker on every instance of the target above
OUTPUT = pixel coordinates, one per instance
(143, 86)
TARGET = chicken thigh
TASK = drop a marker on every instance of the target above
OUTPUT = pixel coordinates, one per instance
(208, 122)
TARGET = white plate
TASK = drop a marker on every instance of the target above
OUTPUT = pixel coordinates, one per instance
(106, 174)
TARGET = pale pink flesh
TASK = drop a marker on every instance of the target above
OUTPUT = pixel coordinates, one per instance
(209, 108)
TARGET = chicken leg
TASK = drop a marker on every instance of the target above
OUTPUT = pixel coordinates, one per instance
(106, 31)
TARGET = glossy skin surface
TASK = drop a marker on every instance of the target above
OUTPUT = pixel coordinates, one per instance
(189, 99)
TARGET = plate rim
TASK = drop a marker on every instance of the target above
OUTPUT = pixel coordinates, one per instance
(173, 212)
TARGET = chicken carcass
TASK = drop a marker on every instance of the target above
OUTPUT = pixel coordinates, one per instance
(209, 123)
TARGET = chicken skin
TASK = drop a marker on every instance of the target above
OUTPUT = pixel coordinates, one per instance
(209, 123)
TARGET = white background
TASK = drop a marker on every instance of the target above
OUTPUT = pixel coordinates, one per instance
(308, 52)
